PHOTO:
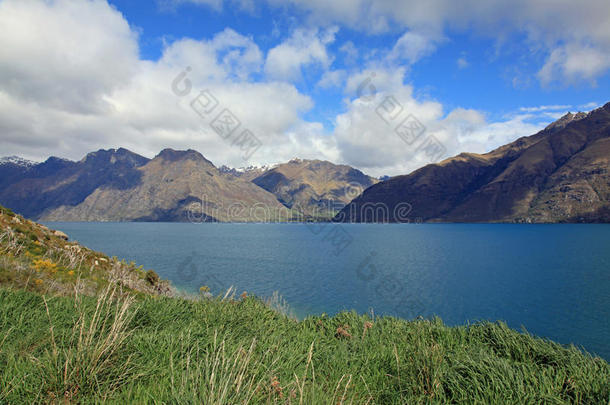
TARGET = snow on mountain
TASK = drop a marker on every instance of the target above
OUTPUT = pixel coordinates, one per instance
(16, 160)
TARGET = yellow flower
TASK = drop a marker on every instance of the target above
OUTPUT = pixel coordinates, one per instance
(38, 281)
(71, 273)
(45, 264)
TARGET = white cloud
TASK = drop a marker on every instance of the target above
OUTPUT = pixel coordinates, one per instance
(98, 53)
(545, 108)
(589, 106)
(332, 78)
(411, 47)
(350, 51)
(71, 81)
(368, 142)
(239, 54)
(304, 48)
(573, 63)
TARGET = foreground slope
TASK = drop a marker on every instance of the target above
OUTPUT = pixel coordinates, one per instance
(211, 351)
(561, 174)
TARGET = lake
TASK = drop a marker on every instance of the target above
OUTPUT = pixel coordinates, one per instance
(553, 280)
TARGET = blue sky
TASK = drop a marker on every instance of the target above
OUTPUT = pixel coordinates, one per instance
(475, 75)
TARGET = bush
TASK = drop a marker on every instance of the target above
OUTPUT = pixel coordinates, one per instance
(152, 277)
(7, 211)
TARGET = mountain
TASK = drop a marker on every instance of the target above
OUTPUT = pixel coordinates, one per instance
(13, 167)
(57, 182)
(559, 174)
(314, 187)
(175, 186)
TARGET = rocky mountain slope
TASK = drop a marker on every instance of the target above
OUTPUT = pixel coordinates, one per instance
(119, 185)
(560, 174)
(32, 190)
(175, 186)
(317, 188)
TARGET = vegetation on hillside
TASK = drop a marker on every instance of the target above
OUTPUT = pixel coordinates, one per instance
(39, 259)
(78, 329)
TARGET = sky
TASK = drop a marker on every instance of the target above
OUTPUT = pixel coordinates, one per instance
(386, 86)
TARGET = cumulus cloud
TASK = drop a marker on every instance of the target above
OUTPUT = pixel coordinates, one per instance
(332, 78)
(574, 63)
(304, 48)
(350, 53)
(98, 53)
(368, 134)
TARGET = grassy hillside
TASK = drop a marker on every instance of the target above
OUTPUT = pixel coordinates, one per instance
(40, 259)
(94, 331)
(169, 350)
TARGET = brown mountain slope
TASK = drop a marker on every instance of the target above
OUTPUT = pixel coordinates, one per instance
(176, 186)
(558, 175)
(315, 187)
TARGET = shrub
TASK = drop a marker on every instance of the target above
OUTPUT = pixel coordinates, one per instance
(7, 211)
(152, 277)
(45, 265)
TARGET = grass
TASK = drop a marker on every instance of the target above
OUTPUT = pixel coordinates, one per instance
(118, 349)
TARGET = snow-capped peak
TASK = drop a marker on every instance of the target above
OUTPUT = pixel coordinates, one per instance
(262, 168)
(16, 160)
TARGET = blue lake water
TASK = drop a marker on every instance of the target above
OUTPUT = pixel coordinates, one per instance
(554, 280)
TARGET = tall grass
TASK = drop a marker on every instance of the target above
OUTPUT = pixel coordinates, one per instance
(112, 349)
(86, 360)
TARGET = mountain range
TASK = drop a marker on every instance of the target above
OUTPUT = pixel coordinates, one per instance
(119, 185)
(559, 174)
